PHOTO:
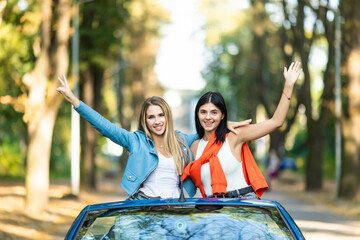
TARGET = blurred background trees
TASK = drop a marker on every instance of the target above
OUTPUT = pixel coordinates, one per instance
(273, 34)
(247, 45)
(48, 36)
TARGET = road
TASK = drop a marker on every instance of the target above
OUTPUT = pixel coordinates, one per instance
(315, 221)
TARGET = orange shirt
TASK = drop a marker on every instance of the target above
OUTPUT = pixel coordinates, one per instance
(252, 173)
(218, 179)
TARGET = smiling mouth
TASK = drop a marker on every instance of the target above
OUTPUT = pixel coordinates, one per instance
(208, 124)
(158, 128)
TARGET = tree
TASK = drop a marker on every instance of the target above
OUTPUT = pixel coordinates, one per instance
(136, 79)
(39, 100)
(247, 62)
(302, 40)
(42, 102)
(36, 96)
(267, 50)
(17, 32)
(99, 45)
(119, 43)
(349, 182)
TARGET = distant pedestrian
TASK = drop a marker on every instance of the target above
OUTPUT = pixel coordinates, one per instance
(272, 168)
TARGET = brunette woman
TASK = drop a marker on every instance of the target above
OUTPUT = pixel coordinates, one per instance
(224, 165)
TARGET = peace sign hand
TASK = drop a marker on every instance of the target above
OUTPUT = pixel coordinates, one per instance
(65, 90)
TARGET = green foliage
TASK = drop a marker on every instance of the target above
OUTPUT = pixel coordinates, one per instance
(13, 143)
(100, 34)
(17, 36)
(15, 58)
(247, 62)
(246, 67)
(60, 149)
(329, 150)
(299, 150)
(18, 32)
(11, 158)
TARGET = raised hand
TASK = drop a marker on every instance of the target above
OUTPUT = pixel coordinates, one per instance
(293, 73)
(65, 90)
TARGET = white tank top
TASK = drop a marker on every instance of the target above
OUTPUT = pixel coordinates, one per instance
(163, 181)
(231, 166)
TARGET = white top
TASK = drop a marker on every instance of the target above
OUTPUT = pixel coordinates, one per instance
(231, 166)
(163, 181)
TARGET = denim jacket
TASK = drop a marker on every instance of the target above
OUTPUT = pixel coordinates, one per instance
(143, 157)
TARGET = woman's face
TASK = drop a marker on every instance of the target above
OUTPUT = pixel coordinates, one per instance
(155, 120)
(210, 117)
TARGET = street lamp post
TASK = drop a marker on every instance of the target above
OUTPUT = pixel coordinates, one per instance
(75, 118)
(338, 103)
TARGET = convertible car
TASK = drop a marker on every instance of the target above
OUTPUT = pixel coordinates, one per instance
(195, 218)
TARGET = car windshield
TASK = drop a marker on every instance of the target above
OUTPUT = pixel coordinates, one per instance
(189, 222)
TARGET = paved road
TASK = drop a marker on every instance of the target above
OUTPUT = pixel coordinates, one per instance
(316, 222)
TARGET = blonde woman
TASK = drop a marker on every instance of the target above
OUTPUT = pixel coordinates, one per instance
(158, 154)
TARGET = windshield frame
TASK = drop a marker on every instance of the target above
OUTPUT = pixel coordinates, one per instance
(265, 209)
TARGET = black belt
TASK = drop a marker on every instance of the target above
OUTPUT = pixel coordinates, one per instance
(234, 194)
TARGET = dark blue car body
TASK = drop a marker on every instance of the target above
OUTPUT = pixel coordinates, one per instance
(270, 209)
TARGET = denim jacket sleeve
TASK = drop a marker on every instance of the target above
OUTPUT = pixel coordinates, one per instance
(108, 129)
(189, 138)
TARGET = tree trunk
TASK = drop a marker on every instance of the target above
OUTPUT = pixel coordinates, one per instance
(42, 104)
(315, 156)
(38, 155)
(121, 105)
(351, 130)
(89, 137)
(91, 94)
(277, 141)
(315, 127)
(349, 182)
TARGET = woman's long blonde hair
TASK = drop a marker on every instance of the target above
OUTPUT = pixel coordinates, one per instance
(173, 144)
